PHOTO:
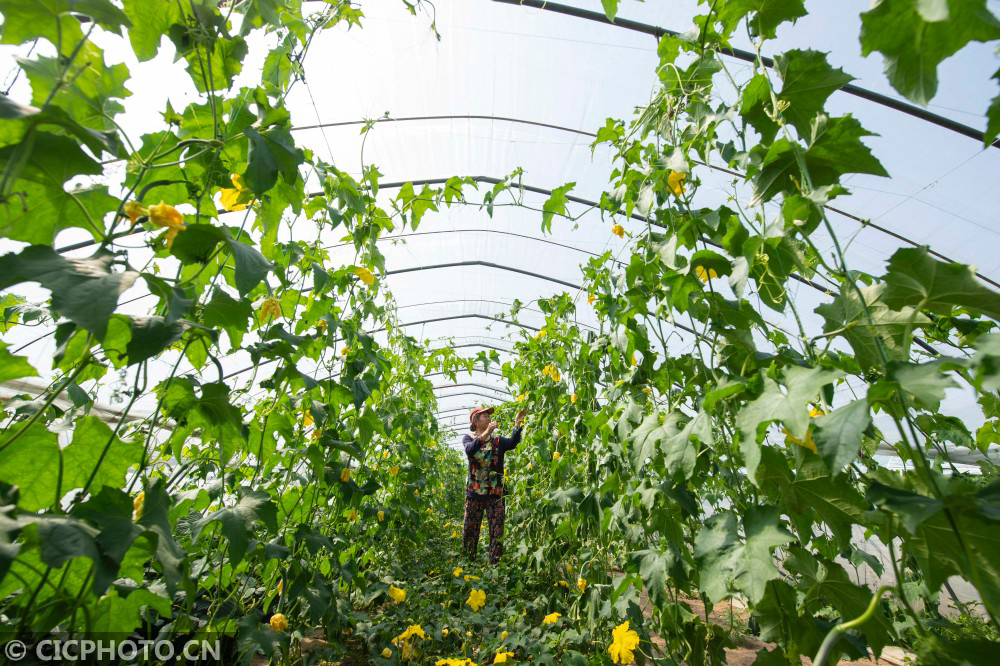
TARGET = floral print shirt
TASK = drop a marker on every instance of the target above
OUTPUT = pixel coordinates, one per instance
(486, 463)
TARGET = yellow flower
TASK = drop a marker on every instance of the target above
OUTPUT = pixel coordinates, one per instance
(675, 181)
(412, 630)
(278, 622)
(469, 577)
(137, 505)
(563, 583)
(504, 635)
(345, 475)
(352, 517)
(572, 398)
(444, 632)
(134, 210)
(381, 516)
(321, 325)
(581, 585)
(307, 418)
(455, 661)
(704, 275)
(590, 299)
(808, 444)
(165, 215)
(541, 334)
(394, 470)
(551, 618)
(271, 308)
(555, 455)
(366, 275)
(816, 411)
(529, 465)
(618, 230)
(397, 594)
(343, 351)
(647, 390)
(386, 653)
(229, 197)
(476, 600)
(502, 657)
(279, 586)
(457, 572)
(623, 641)
(634, 362)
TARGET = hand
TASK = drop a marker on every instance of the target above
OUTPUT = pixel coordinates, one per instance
(491, 427)
(520, 417)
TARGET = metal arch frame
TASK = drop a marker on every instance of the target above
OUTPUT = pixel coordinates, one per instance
(476, 384)
(465, 393)
(747, 56)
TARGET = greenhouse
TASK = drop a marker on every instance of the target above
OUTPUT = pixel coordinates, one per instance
(500, 331)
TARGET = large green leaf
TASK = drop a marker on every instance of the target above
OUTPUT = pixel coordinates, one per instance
(789, 405)
(807, 81)
(89, 94)
(229, 314)
(838, 434)
(150, 21)
(767, 14)
(83, 290)
(914, 37)
(94, 448)
(851, 601)
(28, 463)
(725, 559)
(237, 522)
(14, 367)
(272, 152)
(917, 280)
(834, 149)
(251, 266)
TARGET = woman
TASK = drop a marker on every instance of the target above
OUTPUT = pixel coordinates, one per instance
(484, 491)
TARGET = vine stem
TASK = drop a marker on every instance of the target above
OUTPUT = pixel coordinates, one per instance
(826, 648)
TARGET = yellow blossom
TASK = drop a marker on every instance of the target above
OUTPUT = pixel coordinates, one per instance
(675, 181)
(345, 475)
(476, 600)
(634, 362)
(229, 197)
(623, 641)
(307, 418)
(397, 594)
(279, 586)
(618, 230)
(278, 622)
(555, 455)
(816, 411)
(581, 585)
(352, 517)
(386, 653)
(444, 632)
(807, 444)
(551, 618)
(454, 661)
(502, 657)
(137, 505)
(572, 398)
(343, 351)
(134, 210)
(165, 215)
(381, 516)
(590, 299)
(469, 577)
(412, 630)
(366, 275)
(394, 470)
(504, 635)
(704, 275)
(457, 572)
(271, 308)
(321, 325)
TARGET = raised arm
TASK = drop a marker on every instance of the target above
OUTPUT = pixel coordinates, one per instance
(509, 443)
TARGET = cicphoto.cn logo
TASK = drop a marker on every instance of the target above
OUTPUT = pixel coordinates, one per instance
(93, 650)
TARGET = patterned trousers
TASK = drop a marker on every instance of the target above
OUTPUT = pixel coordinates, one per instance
(494, 507)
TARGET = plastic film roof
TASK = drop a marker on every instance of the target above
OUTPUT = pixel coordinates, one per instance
(520, 66)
